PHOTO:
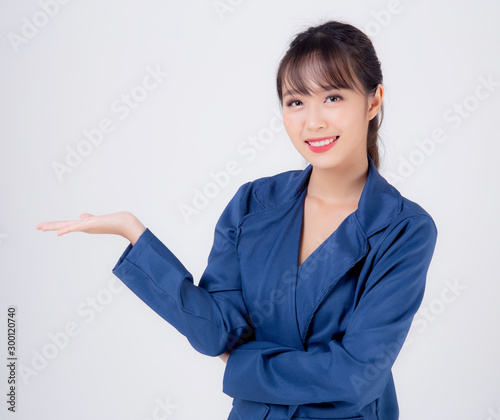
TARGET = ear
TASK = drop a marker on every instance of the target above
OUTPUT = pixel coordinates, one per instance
(375, 102)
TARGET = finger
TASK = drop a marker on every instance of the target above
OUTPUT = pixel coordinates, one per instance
(63, 232)
(85, 215)
(41, 225)
(66, 230)
(47, 226)
(76, 227)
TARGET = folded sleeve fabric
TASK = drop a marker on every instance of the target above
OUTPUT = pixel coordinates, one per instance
(352, 371)
(213, 315)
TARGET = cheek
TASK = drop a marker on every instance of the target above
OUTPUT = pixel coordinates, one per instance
(288, 119)
(349, 119)
(292, 125)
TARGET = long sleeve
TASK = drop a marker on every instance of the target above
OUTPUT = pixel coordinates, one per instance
(354, 371)
(213, 315)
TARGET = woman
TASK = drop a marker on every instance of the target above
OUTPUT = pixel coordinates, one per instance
(314, 275)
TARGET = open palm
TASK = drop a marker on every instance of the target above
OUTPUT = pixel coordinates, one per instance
(122, 223)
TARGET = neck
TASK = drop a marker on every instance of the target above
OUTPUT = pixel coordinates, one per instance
(340, 184)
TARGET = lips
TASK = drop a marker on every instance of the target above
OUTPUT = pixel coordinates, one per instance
(321, 144)
(321, 141)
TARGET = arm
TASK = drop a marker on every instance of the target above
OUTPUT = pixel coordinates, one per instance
(355, 370)
(213, 315)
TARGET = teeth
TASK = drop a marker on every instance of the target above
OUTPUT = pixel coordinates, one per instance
(322, 142)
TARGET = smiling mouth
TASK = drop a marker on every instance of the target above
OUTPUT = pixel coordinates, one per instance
(320, 143)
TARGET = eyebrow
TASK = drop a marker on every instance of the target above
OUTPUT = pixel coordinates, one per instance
(294, 92)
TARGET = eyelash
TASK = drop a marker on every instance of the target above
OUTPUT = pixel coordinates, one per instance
(331, 96)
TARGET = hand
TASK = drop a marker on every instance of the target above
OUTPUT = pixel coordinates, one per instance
(122, 223)
(225, 356)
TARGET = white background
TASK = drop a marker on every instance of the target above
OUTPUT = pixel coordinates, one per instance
(219, 92)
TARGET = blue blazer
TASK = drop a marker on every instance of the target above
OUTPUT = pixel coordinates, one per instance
(315, 341)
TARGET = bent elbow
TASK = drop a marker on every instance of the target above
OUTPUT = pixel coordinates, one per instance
(211, 341)
(367, 387)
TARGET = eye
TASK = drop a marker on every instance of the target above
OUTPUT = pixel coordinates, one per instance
(334, 97)
(289, 103)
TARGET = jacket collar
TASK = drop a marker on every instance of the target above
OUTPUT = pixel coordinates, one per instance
(378, 205)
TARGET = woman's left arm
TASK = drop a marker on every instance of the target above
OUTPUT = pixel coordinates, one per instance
(355, 370)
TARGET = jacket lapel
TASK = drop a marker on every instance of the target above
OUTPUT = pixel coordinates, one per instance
(278, 292)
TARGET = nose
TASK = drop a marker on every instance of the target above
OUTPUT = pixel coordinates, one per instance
(314, 117)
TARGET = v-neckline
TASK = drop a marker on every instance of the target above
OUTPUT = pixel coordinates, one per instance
(302, 202)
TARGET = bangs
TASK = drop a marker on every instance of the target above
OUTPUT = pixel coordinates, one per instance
(327, 66)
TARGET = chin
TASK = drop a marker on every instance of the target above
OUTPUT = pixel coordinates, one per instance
(324, 161)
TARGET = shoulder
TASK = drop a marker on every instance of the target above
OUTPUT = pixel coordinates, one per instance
(258, 195)
(412, 211)
(413, 229)
(391, 219)
(268, 191)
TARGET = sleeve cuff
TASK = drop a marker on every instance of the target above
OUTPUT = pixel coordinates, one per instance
(132, 253)
(230, 365)
(150, 261)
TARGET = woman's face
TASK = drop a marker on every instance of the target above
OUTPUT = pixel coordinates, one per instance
(339, 114)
